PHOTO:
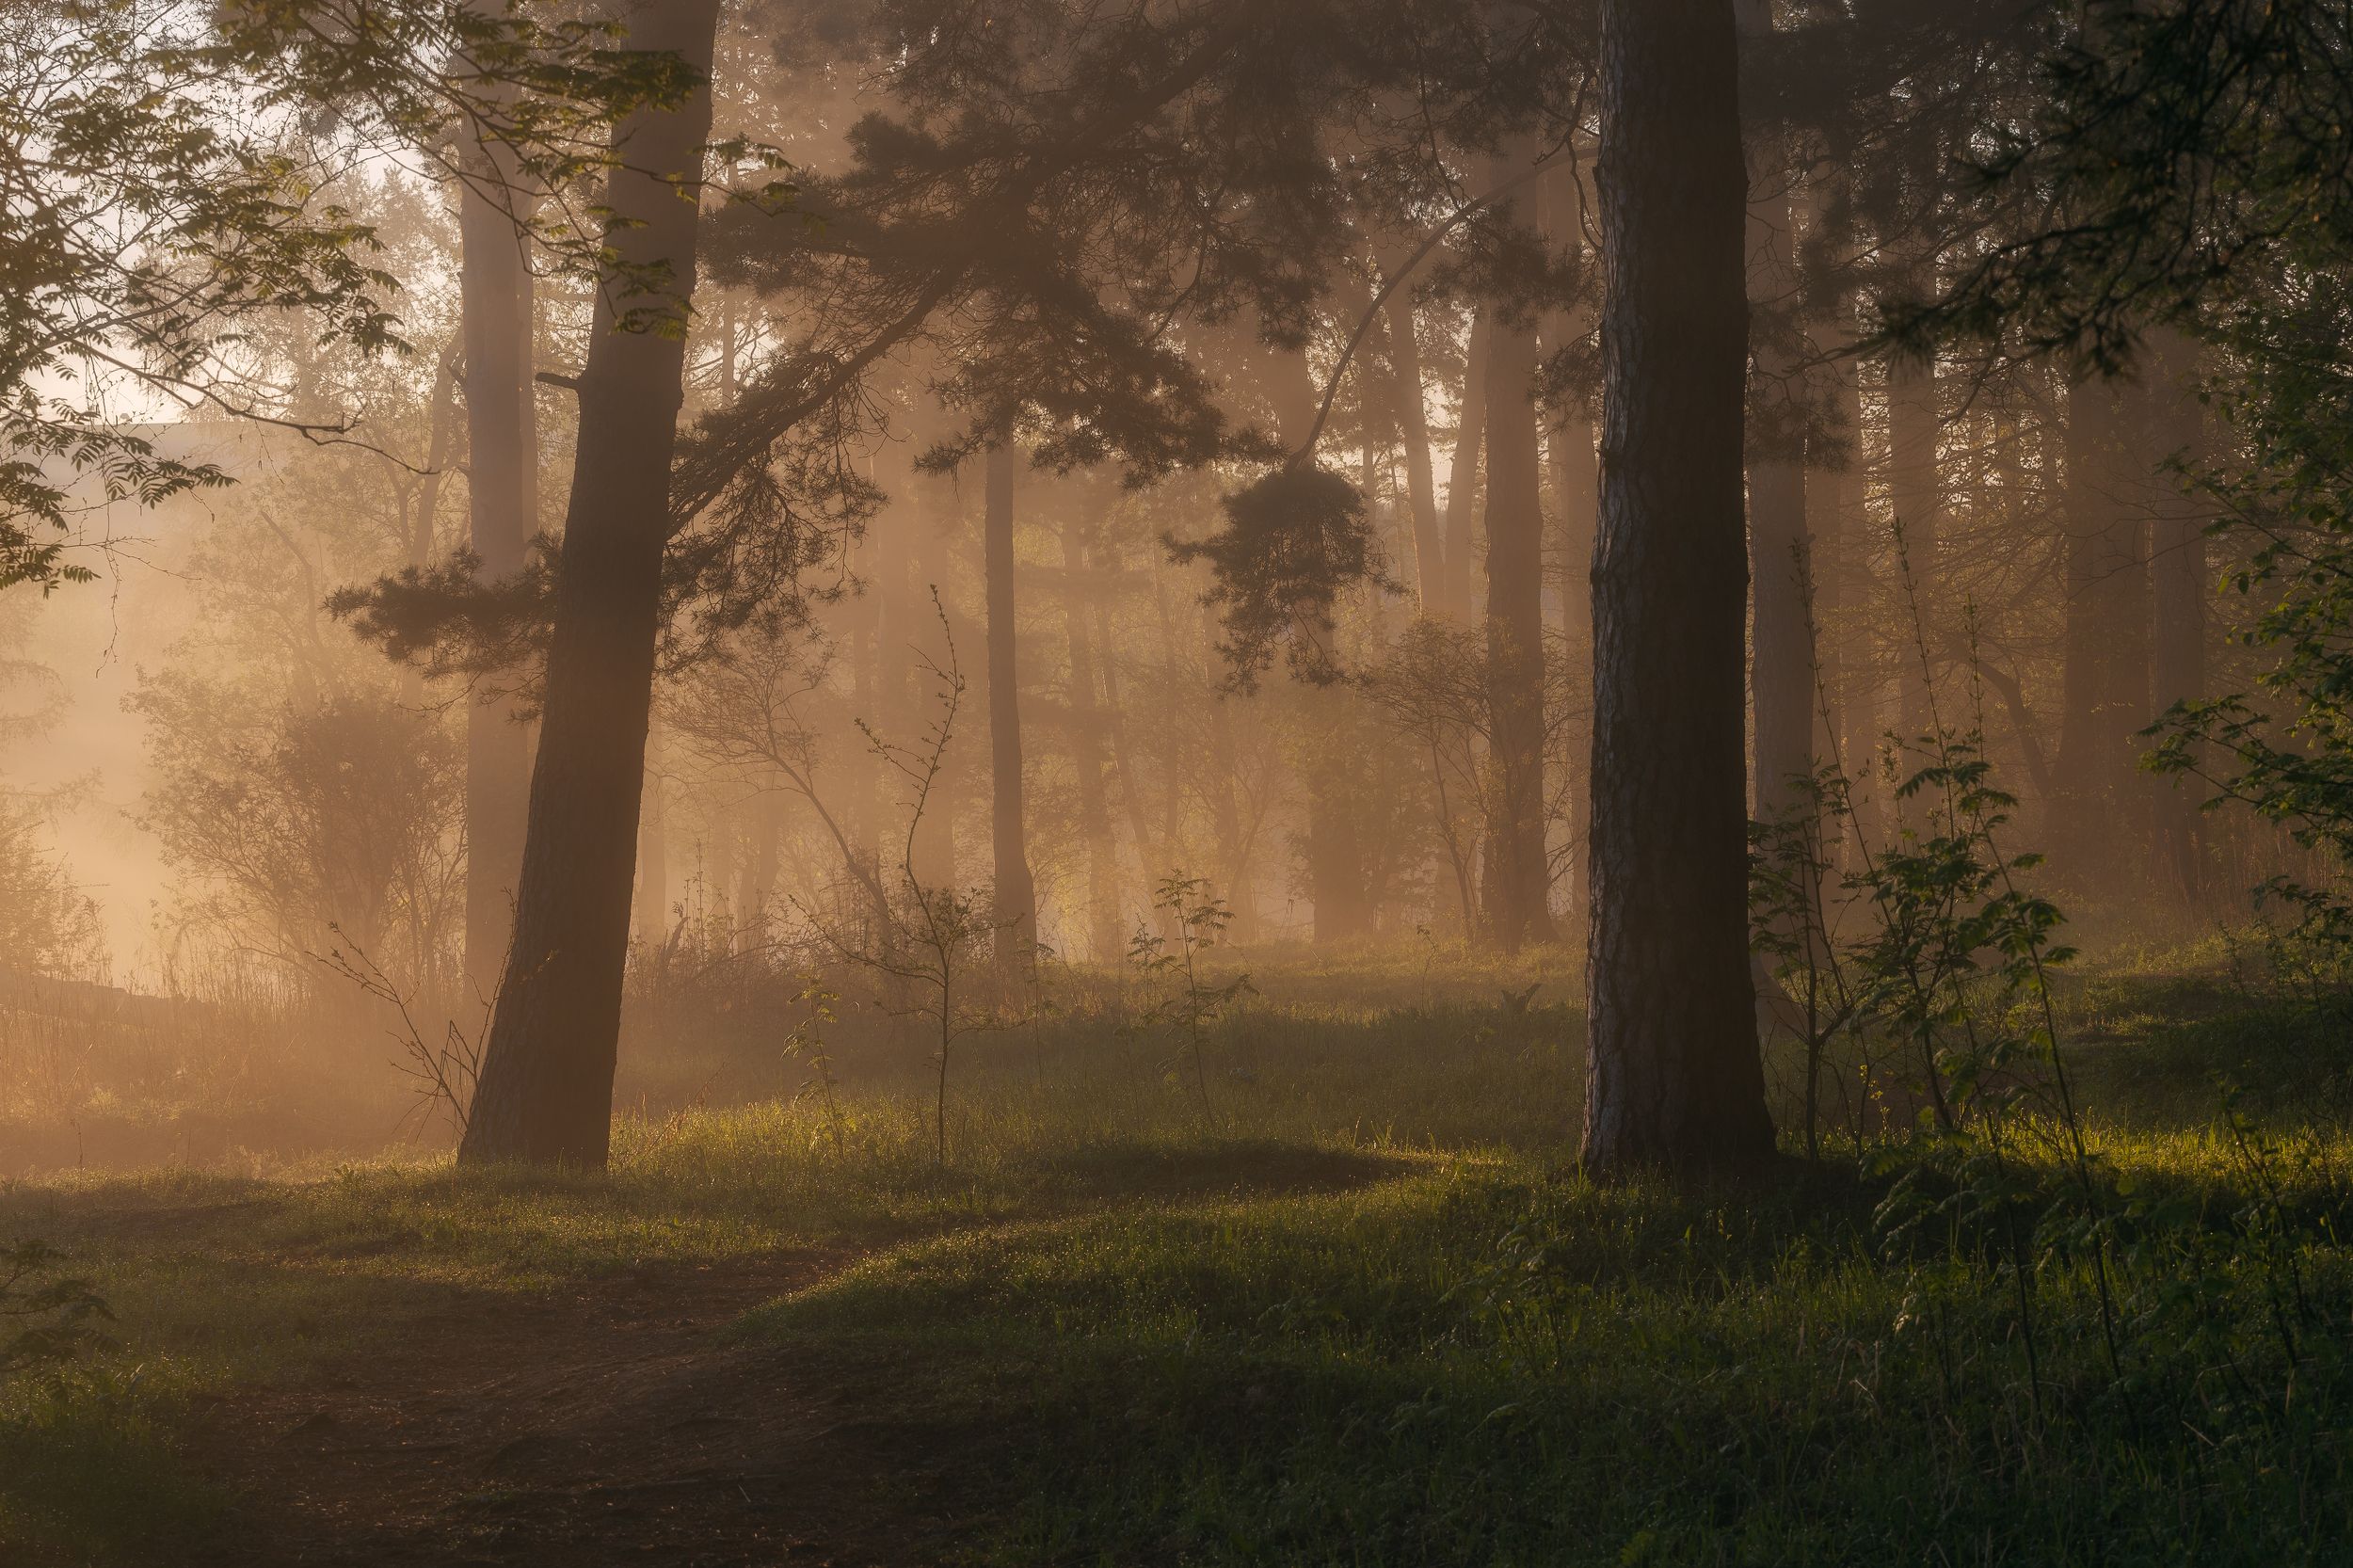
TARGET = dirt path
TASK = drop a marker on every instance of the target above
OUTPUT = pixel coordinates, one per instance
(604, 1423)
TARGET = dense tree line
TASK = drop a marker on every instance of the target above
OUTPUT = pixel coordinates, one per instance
(1418, 466)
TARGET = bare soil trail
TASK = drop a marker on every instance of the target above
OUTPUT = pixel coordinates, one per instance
(608, 1421)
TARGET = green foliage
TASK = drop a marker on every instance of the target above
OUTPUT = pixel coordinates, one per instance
(807, 1045)
(166, 181)
(47, 1319)
(1186, 1003)
(1292, 541)
(2285, 749)
(2188, 158)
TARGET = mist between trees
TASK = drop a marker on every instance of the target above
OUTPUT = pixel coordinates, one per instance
(1557, 691)
(1220, 396)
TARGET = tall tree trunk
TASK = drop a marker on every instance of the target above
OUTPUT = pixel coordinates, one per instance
(652, 906)
(1152, 854)
(1413, 425)
(2105, 678)
(1782, 671)
(1834, 509)
(1914, 489)
(546, 1092)
(762, 833)
(2179, 570)
(1461, 485)
(494, 292)
(1106, 940)
(1518, 869)
(1237, 840)
(423, 522)
(1672, 1071)
(933, 524)
(1017, 893)
(1336, 862)
(1576, 468)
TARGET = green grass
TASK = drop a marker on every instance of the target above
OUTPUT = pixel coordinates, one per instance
(1358, 1312)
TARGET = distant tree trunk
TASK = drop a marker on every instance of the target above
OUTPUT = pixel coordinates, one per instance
(1518, 869)
(1915, 490)
(1106, 940)
(2179, 570)
(935, 523)
(1017, 893)
(1336, 861)
(652, 897)
(494, 293)
(1783, 673)
(1577, 486)
(1834, 506)
(423, 522)
(546, 1092)
(1237, 842)
(1151, 854)
(1413, 423)
(762, 833)
(2105, 678)
(1672, 1071)
(1462, 486)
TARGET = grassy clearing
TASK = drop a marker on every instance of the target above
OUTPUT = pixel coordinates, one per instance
(1355, 1313)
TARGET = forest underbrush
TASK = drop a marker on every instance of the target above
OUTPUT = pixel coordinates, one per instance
(1340, 1297)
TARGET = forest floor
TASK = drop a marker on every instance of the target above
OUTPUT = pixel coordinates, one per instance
(1352, 1311)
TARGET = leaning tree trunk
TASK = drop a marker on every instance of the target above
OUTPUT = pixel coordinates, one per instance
(1671, 1073)
(546, 1092)
(494, 293)
(1518, 883)
(1017, 891)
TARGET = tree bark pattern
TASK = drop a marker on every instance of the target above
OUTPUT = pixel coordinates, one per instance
(1673, 1076)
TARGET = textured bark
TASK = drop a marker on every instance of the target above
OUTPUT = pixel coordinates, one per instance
(1461, 485)
(1518, 872)
(494, 291)
(1017, 893)
(1671, 1073)
(546, 1092)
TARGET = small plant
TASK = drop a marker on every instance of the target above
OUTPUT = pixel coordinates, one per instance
(445, 1071)
(807, 1045)
(45, 1320)
(933, 944)
(1197, 920)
